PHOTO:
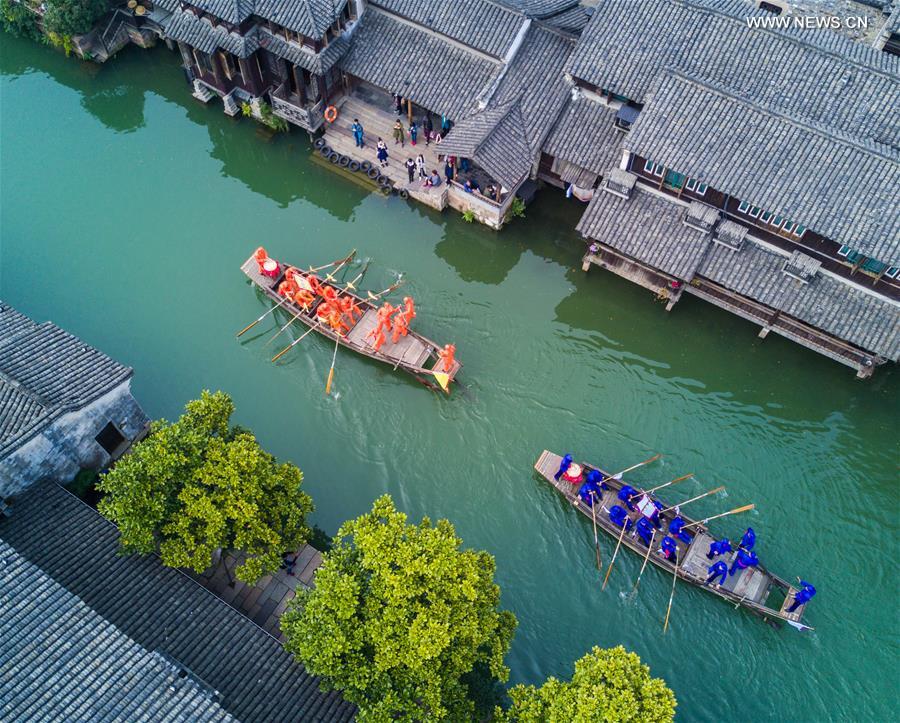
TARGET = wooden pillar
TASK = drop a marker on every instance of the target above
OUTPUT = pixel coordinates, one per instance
(300, 83)
(216, 63)
(249, 77)
(409, 110)
(320, 81)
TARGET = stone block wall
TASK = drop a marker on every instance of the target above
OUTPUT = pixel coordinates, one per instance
(69, 444)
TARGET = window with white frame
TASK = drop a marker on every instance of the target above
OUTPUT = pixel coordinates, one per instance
(892, 272)
(695, 186)
(766, 216)
(777, 221)
(744, 207)
(844, 251)
(789, 226)
(755, 211)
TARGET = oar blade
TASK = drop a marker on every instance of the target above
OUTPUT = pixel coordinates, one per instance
(328, 383)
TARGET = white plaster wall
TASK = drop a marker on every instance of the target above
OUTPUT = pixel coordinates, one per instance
(68, 445)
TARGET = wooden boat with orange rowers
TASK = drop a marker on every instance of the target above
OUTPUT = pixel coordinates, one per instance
(414, 353)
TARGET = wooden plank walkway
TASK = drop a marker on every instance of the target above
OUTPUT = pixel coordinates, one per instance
(408, 349)
(264, 602)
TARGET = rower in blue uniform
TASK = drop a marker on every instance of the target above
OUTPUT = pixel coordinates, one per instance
(669, 549)
(619, 517)
(595, 478)
(718, 569)
(563, 466)
(743, 560)
(645, 530)
(677, 528)
(718, 547)
(626, 493)
(749, 539)
(803, 596)
(656, 518)
(590, 491)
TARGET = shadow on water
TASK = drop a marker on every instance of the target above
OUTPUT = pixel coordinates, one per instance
(116, 95)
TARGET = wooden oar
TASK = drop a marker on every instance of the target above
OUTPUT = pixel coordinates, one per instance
(254, 323)
(594, 519)
(296, 341)
(674, 481)
(303, 311)
(388, 290)
(646, 557)
(693, 499)
(616, 552)
(331, 371)
(285, 299)
(671, 597)
(618, 475)
(735, 511)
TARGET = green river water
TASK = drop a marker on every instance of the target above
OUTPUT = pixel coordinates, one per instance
(127, 207)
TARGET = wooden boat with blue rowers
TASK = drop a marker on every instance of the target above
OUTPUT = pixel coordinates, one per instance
(754, 588)
(414, 353)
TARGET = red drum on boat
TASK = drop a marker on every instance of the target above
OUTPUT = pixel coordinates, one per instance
(574, 474)
(270, 268)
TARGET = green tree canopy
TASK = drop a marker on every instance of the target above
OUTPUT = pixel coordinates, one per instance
(400, 617)
(198, 485)
(609, 686)
(73, 17)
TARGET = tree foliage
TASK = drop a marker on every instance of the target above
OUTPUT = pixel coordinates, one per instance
(198, 485)
(609, 686)
(73, 17)
(18, 20)
(399, 618)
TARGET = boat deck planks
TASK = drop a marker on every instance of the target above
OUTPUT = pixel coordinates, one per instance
(749, 588)
(408, 348)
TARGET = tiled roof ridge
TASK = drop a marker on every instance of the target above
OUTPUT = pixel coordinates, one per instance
(864, 144)
(435, 33)
(715, 7)
(507, 107)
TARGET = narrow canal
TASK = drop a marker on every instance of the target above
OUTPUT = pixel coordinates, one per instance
(127, 208)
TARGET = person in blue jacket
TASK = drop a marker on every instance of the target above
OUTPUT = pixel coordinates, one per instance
(646, 530)
(677, 528)
(618, 516)
(626, 493)
(749, 539)
(669, 549)
(718, 547)
(718, 569)
(743, 560)
(596, 479)
(563, 466)
(803, 596)
(590, 491)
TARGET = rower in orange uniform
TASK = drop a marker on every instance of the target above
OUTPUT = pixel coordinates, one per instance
(289, 286)
(448, 356)
(378, 333)
(383, 315)
(261, 257)
(401, 326)
(409, 311)
(350, 308)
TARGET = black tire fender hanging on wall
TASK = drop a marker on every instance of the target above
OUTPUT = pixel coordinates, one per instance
(320, 142)
(325, 151)
(365, 165)
(353, 166)
(344, 161)
(334, 157)
(386, 190)
(404, 193)
(372, 173)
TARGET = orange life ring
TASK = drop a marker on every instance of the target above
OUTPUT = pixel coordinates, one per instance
(331, 114)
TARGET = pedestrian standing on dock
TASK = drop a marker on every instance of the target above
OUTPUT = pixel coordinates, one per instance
(398, 133)
(413, 132)
(427, 127)
(420, 165)
(411, 169)
(357, 132)
(448, 169)
(718, 569)
(382, 153)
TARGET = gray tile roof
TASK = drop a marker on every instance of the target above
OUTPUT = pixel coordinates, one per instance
(573, 20)
(434, 72)
(308, 17)
(646, 227)
(481, 24)
(496, 140)
(44, 373)
(506, 136)
(303, 56)
(540, 8)
(199, 33)
(60, 660)
(161, 610)
(843, 188)
(838, 307)
(816, 74)
(585, 136)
